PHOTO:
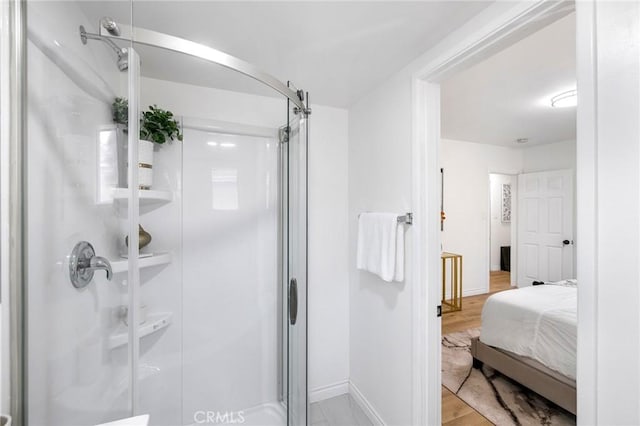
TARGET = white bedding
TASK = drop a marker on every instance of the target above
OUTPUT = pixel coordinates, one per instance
(538, 322)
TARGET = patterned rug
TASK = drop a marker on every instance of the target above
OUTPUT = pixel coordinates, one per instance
(498, 398)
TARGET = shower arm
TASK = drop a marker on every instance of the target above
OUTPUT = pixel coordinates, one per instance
(84, 36)
(187, 47)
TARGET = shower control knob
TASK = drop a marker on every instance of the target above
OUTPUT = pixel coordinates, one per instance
(83, 263)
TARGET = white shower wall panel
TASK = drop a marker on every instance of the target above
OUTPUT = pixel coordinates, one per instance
(230, 260)
(328, 210)
(73, 378)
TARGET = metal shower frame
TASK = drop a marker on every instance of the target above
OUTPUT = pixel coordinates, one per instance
(110, 29)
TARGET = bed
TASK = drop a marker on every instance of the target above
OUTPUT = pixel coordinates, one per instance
(530, 335)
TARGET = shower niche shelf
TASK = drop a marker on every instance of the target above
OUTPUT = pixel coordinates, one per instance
(122, 265)
(147, 197)
(154, 323)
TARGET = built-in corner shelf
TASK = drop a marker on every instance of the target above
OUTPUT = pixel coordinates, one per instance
(122, 265)
(146, 196)
(154, 323)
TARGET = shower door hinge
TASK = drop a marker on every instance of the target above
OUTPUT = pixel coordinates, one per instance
(439, 310)
(284, 134)
(306, 111)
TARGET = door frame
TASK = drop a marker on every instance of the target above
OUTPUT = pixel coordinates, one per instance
(12, 206)
(493, 33)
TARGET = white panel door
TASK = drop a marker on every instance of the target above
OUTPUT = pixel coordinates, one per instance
(545, 227)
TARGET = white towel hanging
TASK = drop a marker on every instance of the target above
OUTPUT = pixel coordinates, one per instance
(381, 245)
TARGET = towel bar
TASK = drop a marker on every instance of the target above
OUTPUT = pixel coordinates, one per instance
(407, 218)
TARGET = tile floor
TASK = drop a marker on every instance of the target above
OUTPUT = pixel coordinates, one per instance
(341, 410)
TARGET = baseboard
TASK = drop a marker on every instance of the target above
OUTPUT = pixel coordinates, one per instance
(365, 405)
(328, 391)
(473, 292)
(495, 268)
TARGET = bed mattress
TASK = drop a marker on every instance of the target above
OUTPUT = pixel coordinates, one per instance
(538, 322)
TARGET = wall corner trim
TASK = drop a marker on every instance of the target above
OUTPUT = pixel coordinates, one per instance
(329, 391)
(366, 406)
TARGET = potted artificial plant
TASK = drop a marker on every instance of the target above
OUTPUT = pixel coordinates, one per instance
(157, 126)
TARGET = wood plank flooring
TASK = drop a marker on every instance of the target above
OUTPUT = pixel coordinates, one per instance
(499, 280)
(454, 410)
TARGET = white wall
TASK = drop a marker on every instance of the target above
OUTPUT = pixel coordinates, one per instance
(466, 198)
(380, 320)
(553, 156)
(608, 242)
(500, 231)
(328, 276)
(328, 253)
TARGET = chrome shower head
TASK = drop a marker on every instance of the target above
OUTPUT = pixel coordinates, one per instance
(110, 25)
(123, 55)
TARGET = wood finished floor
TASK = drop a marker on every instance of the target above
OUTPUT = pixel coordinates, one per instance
(499, 280)
(454, 410)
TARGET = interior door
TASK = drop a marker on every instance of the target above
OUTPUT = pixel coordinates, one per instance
(297, 267)
(545, 226)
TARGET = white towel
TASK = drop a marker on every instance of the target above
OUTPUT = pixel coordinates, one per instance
(381, 245)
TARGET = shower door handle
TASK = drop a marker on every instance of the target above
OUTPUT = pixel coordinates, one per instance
(293, 301)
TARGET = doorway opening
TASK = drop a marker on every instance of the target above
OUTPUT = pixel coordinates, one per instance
(501, 230)
(475, 159)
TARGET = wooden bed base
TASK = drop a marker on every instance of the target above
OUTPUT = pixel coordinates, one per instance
(537, 379)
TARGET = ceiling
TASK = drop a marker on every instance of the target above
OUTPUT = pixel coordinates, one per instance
(336, 50)
(507, 96)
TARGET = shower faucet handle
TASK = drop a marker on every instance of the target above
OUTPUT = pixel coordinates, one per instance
(100, 263)
(83, 263)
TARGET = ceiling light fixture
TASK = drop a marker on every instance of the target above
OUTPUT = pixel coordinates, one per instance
(522, 140)
(565, 99)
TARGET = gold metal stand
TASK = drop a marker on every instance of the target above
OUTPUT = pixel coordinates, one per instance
(454, 303)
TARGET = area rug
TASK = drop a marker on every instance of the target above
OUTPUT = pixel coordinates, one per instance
(498, 398)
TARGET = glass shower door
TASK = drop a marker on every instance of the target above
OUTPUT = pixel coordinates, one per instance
(297, 267)
(78, 355)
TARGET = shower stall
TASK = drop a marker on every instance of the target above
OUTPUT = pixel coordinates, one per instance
(207, 324)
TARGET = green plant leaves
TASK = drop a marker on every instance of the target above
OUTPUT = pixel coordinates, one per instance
(156, 125)
(159, 126)
(120, 111)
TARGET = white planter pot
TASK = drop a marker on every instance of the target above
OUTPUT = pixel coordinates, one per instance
(145, 164)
